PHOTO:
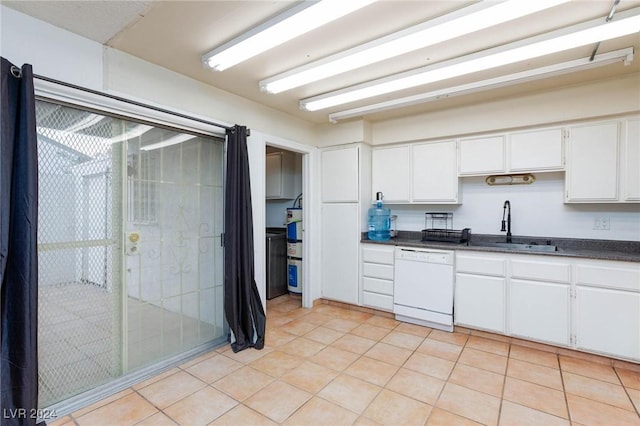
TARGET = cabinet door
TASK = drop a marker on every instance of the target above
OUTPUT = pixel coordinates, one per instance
(279, 176)
(535, 150)
(539, 311)
(608, 321)
(435, 177)
(340, 246)
(480, 302)
(390, 173)
(340, 175)
(482, 155)
(592, 163)
(631, 160)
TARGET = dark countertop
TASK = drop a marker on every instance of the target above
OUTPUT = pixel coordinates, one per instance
(627, 251)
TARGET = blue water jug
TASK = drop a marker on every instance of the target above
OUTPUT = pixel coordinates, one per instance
(379, 221)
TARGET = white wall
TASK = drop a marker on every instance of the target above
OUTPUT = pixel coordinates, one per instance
(562, 105)
(53, 52)
(536, 210)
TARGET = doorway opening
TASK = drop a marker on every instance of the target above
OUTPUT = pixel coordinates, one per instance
(284, 219)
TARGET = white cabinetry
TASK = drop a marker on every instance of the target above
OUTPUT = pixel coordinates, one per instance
(390, 173)
(339, 251)
(592, 163)
(482, 155)
(346, 185)
(539, 296)
(607, 308)
(340, 178)
(416, 173)
(535, 150)
(602, 162)
(538, 150)
(631, 160)
(591, 305)
(434, 178)
(377, 276)
(280, 175)
(479, 300)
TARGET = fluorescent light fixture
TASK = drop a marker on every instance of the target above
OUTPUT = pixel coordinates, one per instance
(88, 121)
(627, 22)
(624, 55)
(132, 133)
(300, 19)
(479, 16)
(174, 140)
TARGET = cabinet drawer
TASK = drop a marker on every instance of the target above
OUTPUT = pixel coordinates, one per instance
(541, 271)
(378, 255)
(617, 276)
(482, 265)
(375, 270)
(378, 301)
(377, 286)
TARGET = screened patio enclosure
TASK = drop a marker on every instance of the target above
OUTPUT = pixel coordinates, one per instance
(129, 250)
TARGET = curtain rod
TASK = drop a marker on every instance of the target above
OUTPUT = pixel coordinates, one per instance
(132, 102)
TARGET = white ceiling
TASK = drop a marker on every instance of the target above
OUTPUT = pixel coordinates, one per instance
(175, 34)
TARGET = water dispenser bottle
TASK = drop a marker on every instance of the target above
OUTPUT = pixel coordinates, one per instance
(379, 221)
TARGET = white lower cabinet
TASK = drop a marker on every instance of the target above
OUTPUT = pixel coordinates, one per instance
(341, 234)
(539, 298)
(608, 321)
(479, 298)
(480, 302)
(377, 276)
(590, 305)
(607, 308)
(539, 311)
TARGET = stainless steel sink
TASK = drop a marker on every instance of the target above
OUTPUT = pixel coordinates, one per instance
(518, 246)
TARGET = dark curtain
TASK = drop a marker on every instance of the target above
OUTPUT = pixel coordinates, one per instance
(18, 254)
(242, 305)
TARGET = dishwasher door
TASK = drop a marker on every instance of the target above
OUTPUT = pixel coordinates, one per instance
(423, 286)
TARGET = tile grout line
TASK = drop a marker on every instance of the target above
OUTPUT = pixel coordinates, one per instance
(626, 391)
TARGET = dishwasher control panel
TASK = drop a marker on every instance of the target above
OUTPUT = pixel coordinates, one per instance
(430, 256)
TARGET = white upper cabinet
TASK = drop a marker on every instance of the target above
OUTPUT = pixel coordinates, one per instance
(280, 176)
(416, 173)
(390, 173)
(631, 163)
(483, 155)
(592, 163)
(339, 170)
(434, 178)
(535, 150)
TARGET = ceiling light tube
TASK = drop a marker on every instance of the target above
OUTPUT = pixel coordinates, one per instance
(567, 38)
(174, 140)
(624, 55)
(295, 21)
(476, 17)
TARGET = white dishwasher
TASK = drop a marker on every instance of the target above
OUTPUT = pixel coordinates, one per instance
(423, 287)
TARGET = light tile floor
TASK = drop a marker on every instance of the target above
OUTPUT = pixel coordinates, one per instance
(333, 366)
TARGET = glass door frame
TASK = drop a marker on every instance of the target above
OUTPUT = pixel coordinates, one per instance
(88, 100)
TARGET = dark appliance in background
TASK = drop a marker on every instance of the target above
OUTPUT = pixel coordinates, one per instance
(276, 262)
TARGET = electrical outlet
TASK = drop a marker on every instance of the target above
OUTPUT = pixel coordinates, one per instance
(601, 224)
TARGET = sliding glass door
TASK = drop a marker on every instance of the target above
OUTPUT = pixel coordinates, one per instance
(130, 260)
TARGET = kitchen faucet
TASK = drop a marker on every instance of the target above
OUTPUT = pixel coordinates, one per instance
(507, 205)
